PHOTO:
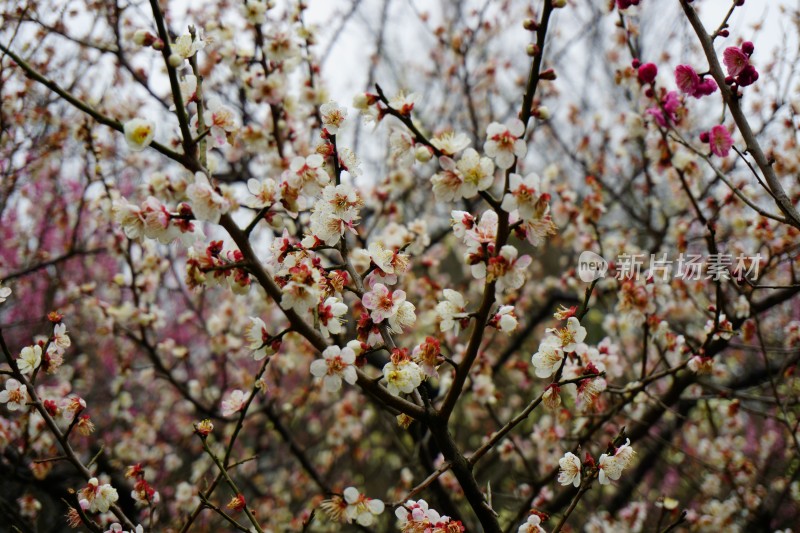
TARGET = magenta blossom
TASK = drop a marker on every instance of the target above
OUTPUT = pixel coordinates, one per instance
(686, 78)
(625, 4)
(670, 106)
(647, 73)
(720, 140)
(735, 60)
(690, 83)
(748, 76)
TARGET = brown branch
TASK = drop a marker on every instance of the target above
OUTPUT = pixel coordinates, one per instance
(175, 86)
(183, 159)
(39, 266)
(70, 454)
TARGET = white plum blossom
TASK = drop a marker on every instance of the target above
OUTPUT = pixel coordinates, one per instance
(450, 142)
(117, 528)
(389, 264)
(477, 172)
(29, 359)
(207, 204)
(701, 365)
(571, 335)
(349, 162)
(99, 498)
(464, 179)
(404, 102)
(485, 232)
(611, 466)
(188, 87)
(333, 116)
(722, 331)
(255, 11)
(329, 313)
(428, 355)
(405, 317)
(325, 225)
(503, 143)
(281, 47)
(139, 133)
(255, 333)
(300, 292)
(451, 310)
(416, 516)
(507, 269)
(5, 292)
(307, 174)
(234, 403)
(547, 359)
(402, 375)
(382, 302)
(569, 470)
(505, 319)
(185, 46)
(532, 525)
(483, 388)
(60, 338)
(344, 201)
(298, 296)
(130, 217)
(361, 509)
(447, 184)
(525, 196)
(461, 222)
(221, 120)
(401, 145)
(264, 192)
(335, 213)
(337, 364)
(15, 395)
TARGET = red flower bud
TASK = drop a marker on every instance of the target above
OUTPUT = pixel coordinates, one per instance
(647, 73)
(548, 74)
(51, 407)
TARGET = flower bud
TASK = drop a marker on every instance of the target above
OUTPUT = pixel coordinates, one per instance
(552, 397)
(557, 4)
(530, 25)
(748, 48)
(548, 74)
(542, 113)
(647, 73)
(175, 60)
(423, 154)
(140, 36)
